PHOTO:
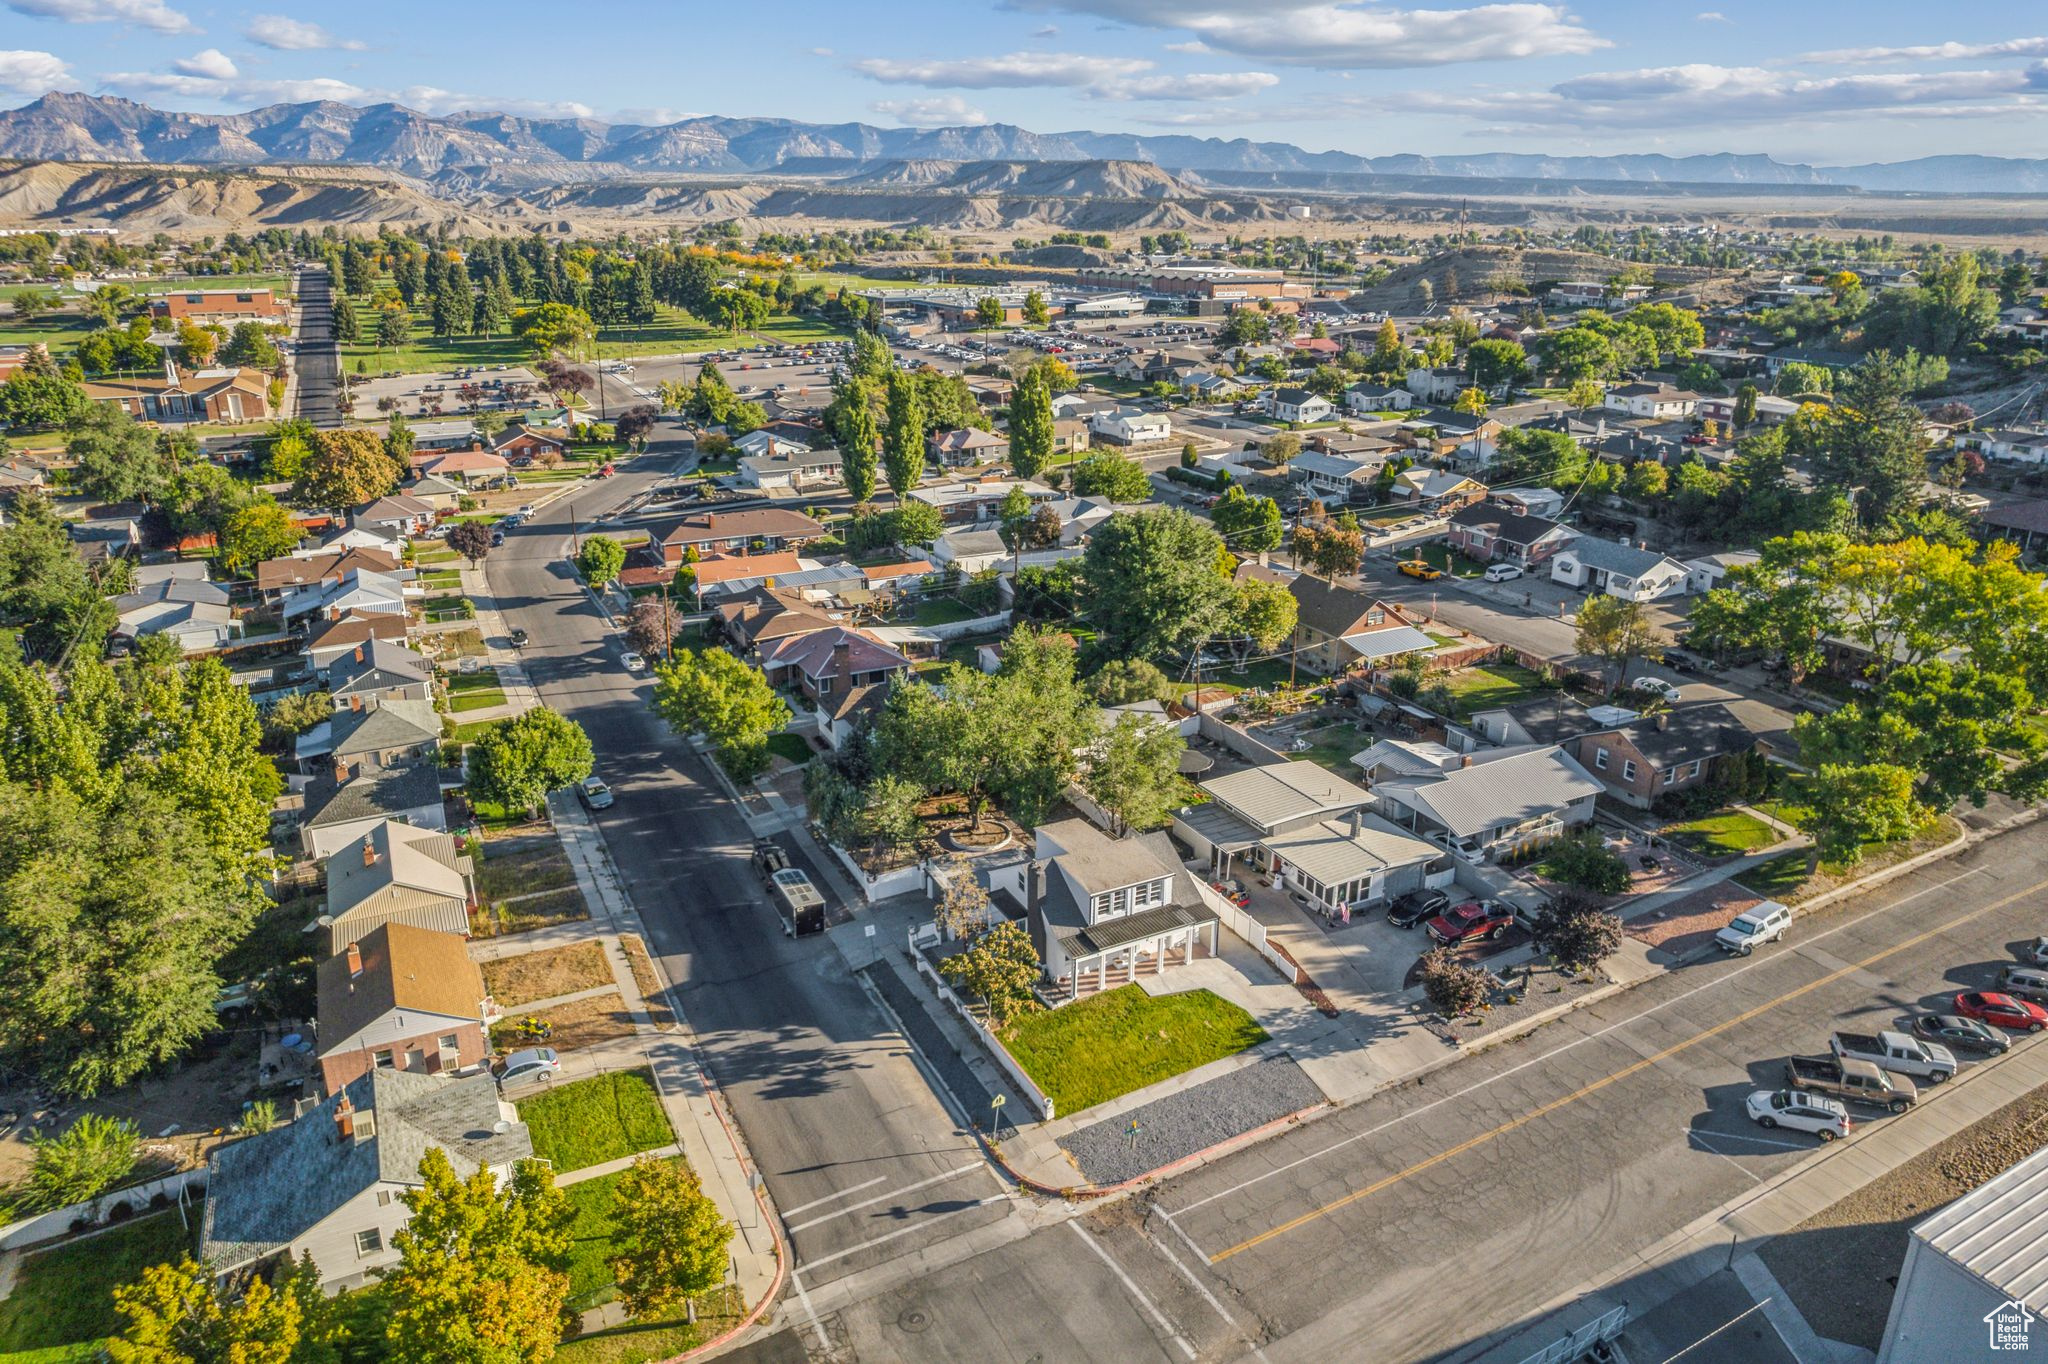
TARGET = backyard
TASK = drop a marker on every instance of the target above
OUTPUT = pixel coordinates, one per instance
(1489, 685)
(1097, 1049)
(65, 1296)
(588, 1122)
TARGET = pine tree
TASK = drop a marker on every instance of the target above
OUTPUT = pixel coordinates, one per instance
(346, 327)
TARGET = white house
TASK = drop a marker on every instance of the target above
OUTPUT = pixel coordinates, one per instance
(1658, 402)
(1438, 385)
(1486, 804)
(1619, 570)
(1710, 571)
(793, 467)
(178, 601)
(1335, 477)
(2007, 444)
(1300, 405)
(1131, 426)
(360, 589)
(1366, 398)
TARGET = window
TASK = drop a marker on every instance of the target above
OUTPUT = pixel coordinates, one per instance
(1628, 770)
(451, 1041)
(383, 1060)
(368, 1242)
(383, 1198)
(1375, 616)
(1600, 759)
(1151, 893)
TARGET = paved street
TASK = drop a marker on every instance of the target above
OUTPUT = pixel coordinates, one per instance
(317, 360)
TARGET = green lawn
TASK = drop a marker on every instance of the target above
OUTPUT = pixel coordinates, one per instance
(590, 1241)
(1334, 745)
(588, 1122)
(65, 1295)
(446, 580)
(58, 331)
(483, 679)
(790, 746)
(1726, 834)
(1778, 877)
(1110, 1044)
(673, 330)
(1487, 685)
(1450, 561)
(940, 611)
(480, 698)
(474, 730)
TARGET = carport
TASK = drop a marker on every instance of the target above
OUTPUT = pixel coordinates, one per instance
(1215, 835)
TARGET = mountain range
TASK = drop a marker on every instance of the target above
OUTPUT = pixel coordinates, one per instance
(475, 147)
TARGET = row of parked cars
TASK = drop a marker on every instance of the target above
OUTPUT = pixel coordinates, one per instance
(1888, 1070)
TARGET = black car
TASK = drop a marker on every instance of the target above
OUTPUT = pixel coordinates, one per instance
(1412, 908)
(1967, 1033)
(518, 639)
(497, 538)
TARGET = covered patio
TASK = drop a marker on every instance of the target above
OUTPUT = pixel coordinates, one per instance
(1117, 951)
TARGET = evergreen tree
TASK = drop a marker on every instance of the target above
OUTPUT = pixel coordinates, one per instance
(903, 457)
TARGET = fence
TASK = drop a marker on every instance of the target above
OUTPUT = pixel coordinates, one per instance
(1238, 741)
(1251, 931)
(876, 886)
(136, 1197)
(1027, 1089)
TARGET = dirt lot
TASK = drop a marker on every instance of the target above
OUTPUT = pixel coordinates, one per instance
(584, 1023)
(1841, 1266)
(650, 985)
(515, 981)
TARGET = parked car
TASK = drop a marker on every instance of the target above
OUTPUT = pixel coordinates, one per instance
(534, 1063)
(1658, 687)
(1857, 1080)
(2024, 982)
(1419, 568)
(634, 663)
(497, 538)
(2037, 954)
(2002, 1011)
(1503, 573)
(1953, 1030)
(1825, 1118)
(518, 638)
(1477, 919)
(1752, 928)
(595, 794)
(1417, 905)
(1897, 1053)
(524, 511)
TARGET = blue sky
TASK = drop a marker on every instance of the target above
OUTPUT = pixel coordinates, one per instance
(1799, 79)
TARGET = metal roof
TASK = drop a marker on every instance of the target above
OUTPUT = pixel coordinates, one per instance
(1399, 639)
(1332, 852)
(1507, 788)
(1999, 1231)
(1277, 792)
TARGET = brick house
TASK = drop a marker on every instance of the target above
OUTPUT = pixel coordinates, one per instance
(205, 395)
(770, 528)
(402, 998)
(521, 445)
(1670, 751)
(1336, 627)
(843, 674)
(1488, 531)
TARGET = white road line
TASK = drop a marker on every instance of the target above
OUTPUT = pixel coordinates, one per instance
(1760, 1141)
(882, 1198)
(1705, 1145)
(1186, 1239)
(831, 1198)
(1131, 1287)
(899, 1234)
(1555, 1052)
(1258, 1353)
(817, 1327)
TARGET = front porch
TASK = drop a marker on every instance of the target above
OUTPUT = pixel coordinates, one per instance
(1118, 951)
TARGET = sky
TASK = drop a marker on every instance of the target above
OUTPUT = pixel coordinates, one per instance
(1818, 81)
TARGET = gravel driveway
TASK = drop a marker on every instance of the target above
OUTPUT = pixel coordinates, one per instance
(1190, 1121)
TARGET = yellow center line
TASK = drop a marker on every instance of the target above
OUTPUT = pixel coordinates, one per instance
(1595, 1086)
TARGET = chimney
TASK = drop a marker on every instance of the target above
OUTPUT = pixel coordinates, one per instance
(369, 854)
(1465, 760)
(340, 771)
(842, 668)
(355, 960)
(1663, 719)
(359, 653)
(1357, 822)
(345, 1118)
(1034, 888)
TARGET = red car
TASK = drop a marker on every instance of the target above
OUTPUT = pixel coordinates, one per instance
(1471, 921)
(2003, 1010)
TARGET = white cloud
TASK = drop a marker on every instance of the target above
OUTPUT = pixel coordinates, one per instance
(32, 73)
(1191, 46)
(939, 112)
(431, 99)
(1200, 85)
(1711, 16)
(295, 35)
(150, 14)
(241, 92)
(1049, 31)
(1936, 52)
(212, 63)
(1340, 34)
(1705, 95)
(1016, 70)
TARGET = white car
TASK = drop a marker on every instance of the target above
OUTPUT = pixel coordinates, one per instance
(1824, 1117)
(524, 511)
(594, 793)
(634, 663)
(1752, 928)
(1503, 573)
(535, 1063)
(1657, 687)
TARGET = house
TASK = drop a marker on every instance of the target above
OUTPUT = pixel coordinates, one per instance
(396, 734)
(330, 640)
(1969, 1284)
(971, 551)
(1162, 366)
(358, 589)
(1316, 348)
(1553, 718)
(762, 617)
(278, 578)
(401, 998)
(770, 528)
(1306, 828)
(341, 804)
(1436, 489)
(107, 530)
(1770, 410)
(522, 444)
(18, 476)
(353, 537)
(965, 446)
(792, 467)
(1490, 531)
(1131, 426)
(429, 438)
(2023, 523)
(842, 673)
(397, 514)
(1300, 405)
(1710, 571)
(206, 395)
(377, 671)
(1102, 911)
(1335, 478)
(1530, 501)
(326, 1186)
(1365, 398)
(1207, 387)
(2007, 444)
(182, 605)
(1339, 627)
(1078, 516)
(1439, 385)
(1657, 402)
(221, 305)
(1654, 755)
(467, 467)
(443, 495)
(1491, 803)
(977, 500)
(1079, 406)
(396, 873)
(1069, 435)
(1618, 569)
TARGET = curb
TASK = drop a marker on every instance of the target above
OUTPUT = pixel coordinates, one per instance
(1074, 1193)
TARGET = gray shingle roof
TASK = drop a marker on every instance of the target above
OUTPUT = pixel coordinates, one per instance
(372, 795)
(1613, 557)
(1278, 792)
(1510, 789)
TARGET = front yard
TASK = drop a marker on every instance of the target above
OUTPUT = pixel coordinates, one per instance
(514, 981)
(1448, 560)
(1108, 1045)
(588, 1122)
(1728, 833)
(577, 1024)
(479, 690)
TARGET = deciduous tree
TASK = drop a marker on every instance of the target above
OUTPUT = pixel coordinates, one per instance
(346, 469)
(709, 692)
(259, 531)
(601, 559)
(517, 763)
(1133, 772)
(1616, 631)
(470, 539)
(1031, 425)
(671, 1241)
(1000, 967)
(1116, 477)
(1153, 583)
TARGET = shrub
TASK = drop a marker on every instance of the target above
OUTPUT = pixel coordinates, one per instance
(88, 1158)
(1586, 862)
(1453, 987)
(1578, 932)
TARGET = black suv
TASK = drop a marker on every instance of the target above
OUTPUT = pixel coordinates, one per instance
(1412, 908)
(518, 639)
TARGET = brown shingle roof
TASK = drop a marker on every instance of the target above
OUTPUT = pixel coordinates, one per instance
(275, 575)
(414, 969)
(765, 521)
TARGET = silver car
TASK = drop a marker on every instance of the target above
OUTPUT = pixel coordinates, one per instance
(534, 1063)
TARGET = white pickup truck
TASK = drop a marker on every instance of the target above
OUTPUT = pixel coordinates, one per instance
(1897, 1053)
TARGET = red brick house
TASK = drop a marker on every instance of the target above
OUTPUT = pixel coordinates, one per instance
(206, 395)
(520, 446)
(401, 998)
(769, 528)
(1486, 530)
(1672, 750)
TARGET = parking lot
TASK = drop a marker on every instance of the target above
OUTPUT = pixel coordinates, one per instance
(445, 392)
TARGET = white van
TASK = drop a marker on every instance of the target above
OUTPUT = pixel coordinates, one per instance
(1754, 927)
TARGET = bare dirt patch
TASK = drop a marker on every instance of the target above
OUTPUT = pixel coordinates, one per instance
(514, 981)
(658, 1007)
(1680, 927)
(583, 1023)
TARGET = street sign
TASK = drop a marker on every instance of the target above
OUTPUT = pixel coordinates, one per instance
(998, 1101)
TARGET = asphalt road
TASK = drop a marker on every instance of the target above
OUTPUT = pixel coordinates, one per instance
(318, 358)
